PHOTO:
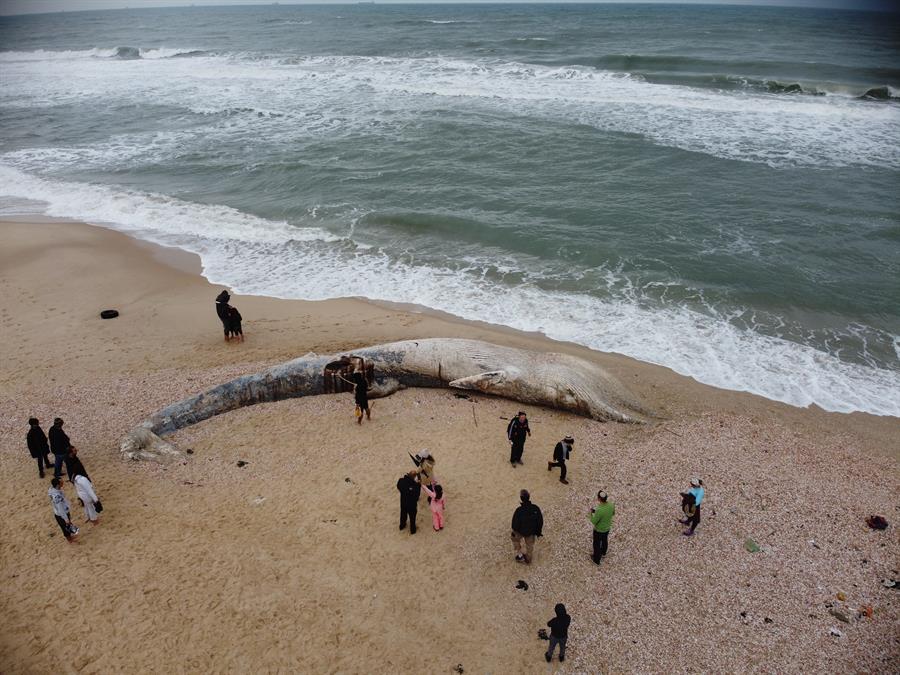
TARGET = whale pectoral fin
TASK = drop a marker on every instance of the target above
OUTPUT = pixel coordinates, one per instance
(486, 382)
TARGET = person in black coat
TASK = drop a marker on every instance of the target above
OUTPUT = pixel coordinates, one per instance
(234, 324)
(559, 632)
(560, 455)
(59, 446)
(74, 467)
(516, 431)
(360, 394)
(38, 446)
(222, 311)
(409, 489)
(527, 523)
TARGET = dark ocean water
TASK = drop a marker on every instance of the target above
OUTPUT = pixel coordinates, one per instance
(699, 187)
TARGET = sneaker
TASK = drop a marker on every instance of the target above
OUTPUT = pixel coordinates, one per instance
(563, 481)
(549, 466)
(547, 656)
(688, 533)
(562, 658)
(520, 558)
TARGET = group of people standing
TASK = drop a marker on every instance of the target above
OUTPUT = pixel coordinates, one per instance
(230, 317)
(518, 430)
(528, 520)
(57, 442)
(412, 484)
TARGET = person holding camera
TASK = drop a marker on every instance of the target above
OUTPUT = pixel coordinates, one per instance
(601, 519)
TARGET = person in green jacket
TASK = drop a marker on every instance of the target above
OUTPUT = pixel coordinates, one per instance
(601, 519)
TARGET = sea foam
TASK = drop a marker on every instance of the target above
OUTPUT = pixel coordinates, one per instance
(260, 256)
(744, 125)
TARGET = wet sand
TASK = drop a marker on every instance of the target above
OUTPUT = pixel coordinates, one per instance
(295, 562)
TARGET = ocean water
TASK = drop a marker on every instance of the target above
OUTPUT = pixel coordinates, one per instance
(698, 187)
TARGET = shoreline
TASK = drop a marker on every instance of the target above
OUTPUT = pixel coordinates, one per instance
(665, 391)
(281, 522)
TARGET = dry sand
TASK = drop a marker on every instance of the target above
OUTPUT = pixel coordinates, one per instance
(295, 563)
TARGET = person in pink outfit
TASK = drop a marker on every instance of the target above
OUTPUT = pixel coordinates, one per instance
(436, 492)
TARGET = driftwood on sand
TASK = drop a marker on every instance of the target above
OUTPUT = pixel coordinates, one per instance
(554, 380)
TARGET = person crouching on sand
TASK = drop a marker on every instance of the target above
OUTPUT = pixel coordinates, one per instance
(85, 491)
(61, 509)
(437, 505)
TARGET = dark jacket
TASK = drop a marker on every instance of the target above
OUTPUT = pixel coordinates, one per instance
(528, 520)
(561, 452)
(59, 442)
(559, 625)
(516, 431)
(37, 442)
(409, 492)
(222, 305)
(361, 388)
(74, 467)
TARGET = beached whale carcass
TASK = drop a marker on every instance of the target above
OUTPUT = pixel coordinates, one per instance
(555, 380)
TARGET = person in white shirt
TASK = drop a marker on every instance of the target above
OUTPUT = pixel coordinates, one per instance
(85, 491)
(61, 509)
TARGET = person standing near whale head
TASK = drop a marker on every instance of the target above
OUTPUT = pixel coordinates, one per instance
(516, 431)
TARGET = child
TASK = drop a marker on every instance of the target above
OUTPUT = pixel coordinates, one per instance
(438, 504)
(690, 505)
(61, 510)
(85, 491)
(234, 323)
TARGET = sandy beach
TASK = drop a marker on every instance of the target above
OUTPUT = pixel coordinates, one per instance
(293, 562)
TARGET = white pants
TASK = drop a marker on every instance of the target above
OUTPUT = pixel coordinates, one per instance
(89, 511)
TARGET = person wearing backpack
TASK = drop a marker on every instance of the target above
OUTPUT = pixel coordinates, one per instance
(527, 523)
